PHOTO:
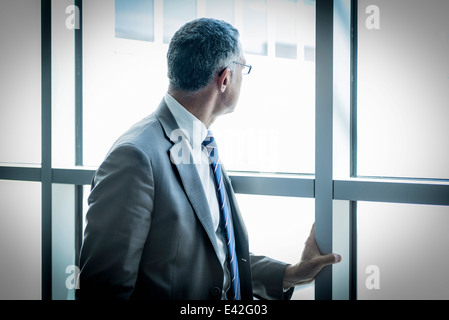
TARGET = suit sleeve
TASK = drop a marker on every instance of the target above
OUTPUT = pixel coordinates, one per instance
(118, 222)
(268, 278)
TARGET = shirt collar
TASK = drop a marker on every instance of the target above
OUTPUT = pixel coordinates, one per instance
(196, 130)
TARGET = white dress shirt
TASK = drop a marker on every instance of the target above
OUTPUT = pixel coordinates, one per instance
(195, 131)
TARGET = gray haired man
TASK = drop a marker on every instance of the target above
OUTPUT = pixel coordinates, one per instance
(155, 228)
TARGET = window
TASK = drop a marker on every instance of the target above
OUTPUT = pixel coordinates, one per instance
(20, 148)
(134, 20)
(20, 240)
(21, 85)
(223, 10)
(270, 219)
(276, 111)
(63, 240)
(63, 97)
(399, 247)
(402, 89)
(398, 100)
(175, 14)
(315, 147)
(124, 80)
(255, 37)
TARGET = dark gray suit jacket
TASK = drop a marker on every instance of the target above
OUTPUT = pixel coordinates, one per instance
(149, 232)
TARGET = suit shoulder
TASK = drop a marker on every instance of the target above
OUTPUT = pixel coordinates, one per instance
(146, 135)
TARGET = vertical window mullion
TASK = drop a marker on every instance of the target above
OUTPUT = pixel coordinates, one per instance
(324, 142)
(79, 191)
(353, 152)
(353, 250)
(353, 130)
(46, 166)
(79, 88)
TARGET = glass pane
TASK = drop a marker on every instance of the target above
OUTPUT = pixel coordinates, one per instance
(63, 242)
(134, 19)
(219, 9)
(20, 90)
(63, 84)
(286, 16)
(401, 251)
(273, 127)
(278, 227)
(20, 240)
(402, 94)
(176, 14)
(254, 33)
(124, 80)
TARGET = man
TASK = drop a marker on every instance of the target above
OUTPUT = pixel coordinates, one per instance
(163, 221)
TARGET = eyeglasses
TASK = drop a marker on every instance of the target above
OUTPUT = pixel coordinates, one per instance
(246, 68)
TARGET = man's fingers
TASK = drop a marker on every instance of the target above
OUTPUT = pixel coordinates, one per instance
(311, 237)
(330, 258)
(326, 259)
(312, 231)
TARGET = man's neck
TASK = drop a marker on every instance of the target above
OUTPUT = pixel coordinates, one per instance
(201, 104)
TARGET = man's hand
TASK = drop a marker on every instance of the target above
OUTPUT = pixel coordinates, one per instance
(311, 263)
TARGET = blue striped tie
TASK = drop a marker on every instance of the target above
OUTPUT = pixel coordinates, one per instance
(212, 150)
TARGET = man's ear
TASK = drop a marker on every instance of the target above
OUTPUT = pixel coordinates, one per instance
(224, 80)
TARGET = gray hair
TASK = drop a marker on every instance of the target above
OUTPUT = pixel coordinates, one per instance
(200, 49)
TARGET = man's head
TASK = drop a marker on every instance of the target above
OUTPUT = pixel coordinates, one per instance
(199, 50)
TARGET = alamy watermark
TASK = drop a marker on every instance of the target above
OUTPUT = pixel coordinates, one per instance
(373, 279)
(73, 19)
(372, 22)
(72, 280)
(251, 147)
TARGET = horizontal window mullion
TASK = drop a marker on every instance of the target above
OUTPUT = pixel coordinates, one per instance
(353, 190)
(20, 173)
(386, 191)
(273, 186)
(76, 176)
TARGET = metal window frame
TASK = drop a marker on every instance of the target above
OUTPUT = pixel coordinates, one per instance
(79, 190)
(324, 140)
(323, 187)
(46, 166)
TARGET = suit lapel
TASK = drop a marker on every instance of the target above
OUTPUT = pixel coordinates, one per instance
(194, 190)
(182, 160)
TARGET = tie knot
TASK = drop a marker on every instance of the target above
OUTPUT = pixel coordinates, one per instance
(209, 141)
(211, 146)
